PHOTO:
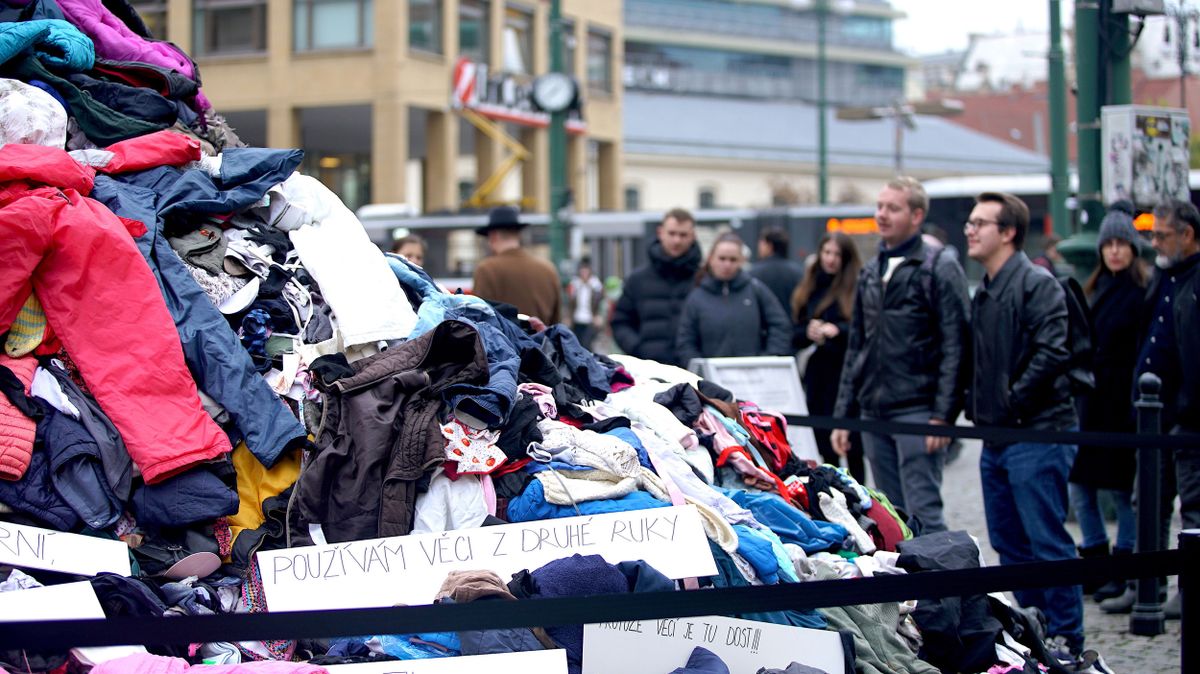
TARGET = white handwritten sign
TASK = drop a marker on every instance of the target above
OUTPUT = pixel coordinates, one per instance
(533, 662)
(744, 645)
(410, 569)
(35, 548)
(771, 382)
(68, 601)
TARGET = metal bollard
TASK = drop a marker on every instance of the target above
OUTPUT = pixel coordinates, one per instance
(1189, 657)
(1147, 618)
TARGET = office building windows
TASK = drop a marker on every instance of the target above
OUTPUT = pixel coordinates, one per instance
(568, 44)
(333, 24)
(425, 25)
(154, 15)
(707, 198)
(633, 198)
(473, 30)
(599, 60)
(222, 27)
(518, 40)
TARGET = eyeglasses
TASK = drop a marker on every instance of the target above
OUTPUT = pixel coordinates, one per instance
(978, 223)
(1163, 235)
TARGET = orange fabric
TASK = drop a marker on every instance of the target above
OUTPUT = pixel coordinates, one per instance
(16, 430)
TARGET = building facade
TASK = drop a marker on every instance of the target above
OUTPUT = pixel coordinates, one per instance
(365, 88)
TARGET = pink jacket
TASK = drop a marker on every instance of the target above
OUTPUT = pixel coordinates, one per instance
(104, 304)
(144, 663)
(16, 430)
(116, 42)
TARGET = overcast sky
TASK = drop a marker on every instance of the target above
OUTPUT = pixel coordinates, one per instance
(934, 26)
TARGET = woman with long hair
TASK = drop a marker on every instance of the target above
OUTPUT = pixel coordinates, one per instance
(1115, 294)
(730, 313)
(822, 306)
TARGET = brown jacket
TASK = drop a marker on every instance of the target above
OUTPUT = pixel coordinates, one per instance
(523, 280)
(380, 432)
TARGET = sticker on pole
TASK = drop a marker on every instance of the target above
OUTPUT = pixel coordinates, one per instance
(36, 548)
(746, 646)
(410, 569)
(532, 662)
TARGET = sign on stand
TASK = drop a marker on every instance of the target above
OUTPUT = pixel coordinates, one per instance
(533, 662)
(744, 645)
(409, 569)
(773, 383)
(36, 548)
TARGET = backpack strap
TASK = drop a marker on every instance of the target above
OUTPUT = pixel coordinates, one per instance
(927, 269)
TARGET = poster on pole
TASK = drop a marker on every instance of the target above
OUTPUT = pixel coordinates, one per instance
(744, 645)
(533, 662)
(771, 382)
(409, 569)
(49, 550)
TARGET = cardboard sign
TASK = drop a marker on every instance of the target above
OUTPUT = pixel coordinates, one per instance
(69, 601)
(34, 548)
(771, 382)
(533, 662)
(410, 569)
(745, 645)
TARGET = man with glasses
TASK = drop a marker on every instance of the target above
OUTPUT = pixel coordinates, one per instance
(904, 353)
(1171, 349)
(1019, 333)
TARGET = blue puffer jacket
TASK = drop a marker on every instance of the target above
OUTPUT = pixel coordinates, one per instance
(77, 469)
(57, 44)
(35, 495)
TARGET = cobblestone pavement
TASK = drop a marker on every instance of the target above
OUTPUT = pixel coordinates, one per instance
(1107, 634)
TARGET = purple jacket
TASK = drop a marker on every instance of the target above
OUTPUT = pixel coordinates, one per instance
(116, 42)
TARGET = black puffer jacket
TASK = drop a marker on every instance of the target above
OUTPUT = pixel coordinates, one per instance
(905, 354)
(1019, 322)
(738, 317)
(646, 317)
(780, 275)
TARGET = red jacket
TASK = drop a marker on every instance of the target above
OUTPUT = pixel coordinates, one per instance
(103, 302)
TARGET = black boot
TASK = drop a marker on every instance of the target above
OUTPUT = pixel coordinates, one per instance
(1091, 552)
(1115, 587)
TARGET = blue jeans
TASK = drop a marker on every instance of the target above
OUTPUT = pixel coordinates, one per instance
(1086, 504)
(1025, 499)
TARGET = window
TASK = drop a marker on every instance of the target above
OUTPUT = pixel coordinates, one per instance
(633, 198)
(473, 30)
(568, 45)
(708, 198)
(229, 27)
(425, 25)
(599, 60)
(154, 15)
(518, 40)
(333, 24)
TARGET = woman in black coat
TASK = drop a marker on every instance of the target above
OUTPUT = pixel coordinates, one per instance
(1116, 292)
(821, 308)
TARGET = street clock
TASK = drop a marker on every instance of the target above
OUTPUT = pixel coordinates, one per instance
(554, 92)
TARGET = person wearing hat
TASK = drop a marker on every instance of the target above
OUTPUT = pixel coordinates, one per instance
(511, 274)
(1115, 293)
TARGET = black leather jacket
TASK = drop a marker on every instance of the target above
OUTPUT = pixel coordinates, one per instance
(1019, 335)
(1187, 341)
(906, 339)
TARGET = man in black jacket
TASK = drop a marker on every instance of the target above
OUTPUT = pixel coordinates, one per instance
(904, 354)
(1019, 333)
(646, 317)
(775, 269)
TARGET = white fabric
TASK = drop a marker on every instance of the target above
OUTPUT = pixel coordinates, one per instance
(613, 458)
(46, 387)
(31, 116)
(649, 370)
(450, 505)
(568, 487)
(835, 511)
(638, 406)
(353, 274)
(584, 292)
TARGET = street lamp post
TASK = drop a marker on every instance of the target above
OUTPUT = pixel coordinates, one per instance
(903, 115)
(822, 131)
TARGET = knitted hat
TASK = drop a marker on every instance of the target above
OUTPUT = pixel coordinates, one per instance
(28, 329)
(1118, 224)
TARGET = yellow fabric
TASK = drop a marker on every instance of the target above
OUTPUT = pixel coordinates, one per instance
(255, 484)
(28, 330)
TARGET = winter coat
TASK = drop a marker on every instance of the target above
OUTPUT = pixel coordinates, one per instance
(118, 468)
(780, 275)
(202, 494)
(55, 43)
(1019, 328)
(1187, 341)
(86, 269)
(145, 663)
(702, 661)
(1116, 307)
(523, 280)
(76, 469)
(824, 369)
(380, 433)
(739, 317)
(35, 495)
(151, 189)
(645, 320)
(115, 41)
(907, 339)
(17, 428)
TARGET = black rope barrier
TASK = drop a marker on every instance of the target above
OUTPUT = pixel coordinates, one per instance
(994, 434)
(47, 635)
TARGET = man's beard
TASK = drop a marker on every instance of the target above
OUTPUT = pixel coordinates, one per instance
(1163, 262)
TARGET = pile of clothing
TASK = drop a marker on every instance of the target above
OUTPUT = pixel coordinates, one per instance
(204, 357)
